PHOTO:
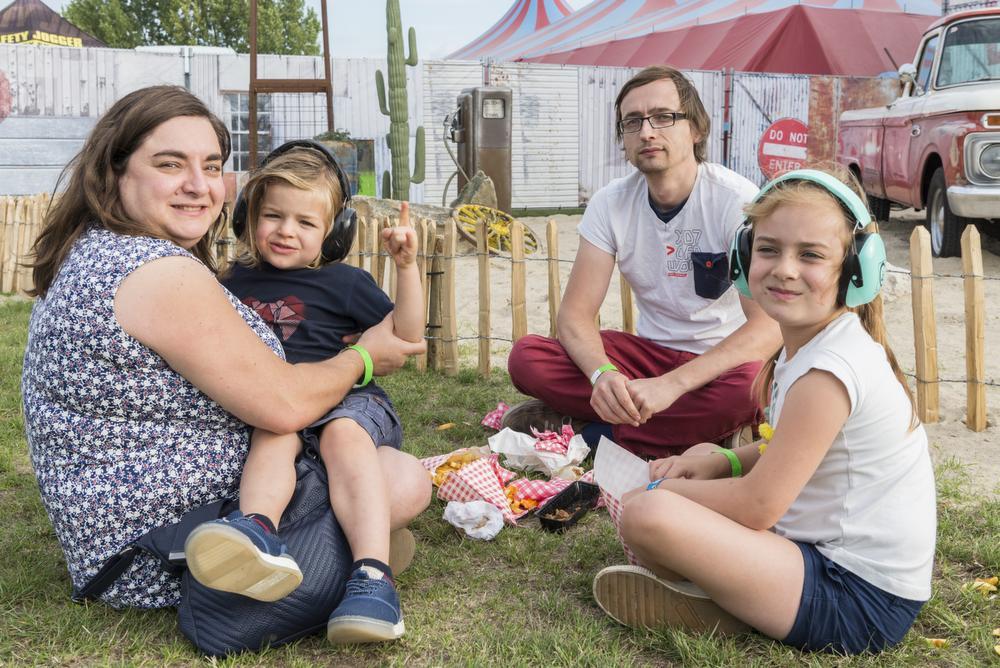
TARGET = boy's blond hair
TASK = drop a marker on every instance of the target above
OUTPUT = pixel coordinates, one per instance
(302, 168)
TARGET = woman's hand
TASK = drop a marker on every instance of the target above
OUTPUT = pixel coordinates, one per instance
(388, 351)
(401, 241)
(692, 467)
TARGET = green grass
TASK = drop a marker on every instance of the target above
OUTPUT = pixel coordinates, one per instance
(522, 599)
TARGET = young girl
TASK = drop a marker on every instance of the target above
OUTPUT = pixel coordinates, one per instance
(291, 204)
(822, 537)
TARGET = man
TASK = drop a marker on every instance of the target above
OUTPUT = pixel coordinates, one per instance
(686, 378)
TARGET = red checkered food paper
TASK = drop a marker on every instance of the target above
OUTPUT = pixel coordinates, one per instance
(482, 479)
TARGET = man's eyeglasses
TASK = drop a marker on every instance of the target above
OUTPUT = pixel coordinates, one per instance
(664, 119)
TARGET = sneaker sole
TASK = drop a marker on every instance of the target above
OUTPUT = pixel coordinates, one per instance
(355, 630)
(635, 597)
(223, 558)
(402, 547)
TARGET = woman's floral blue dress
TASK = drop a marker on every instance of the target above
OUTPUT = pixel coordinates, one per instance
(120, 442)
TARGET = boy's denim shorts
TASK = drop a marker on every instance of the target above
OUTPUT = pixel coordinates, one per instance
(370, 408)
(842, 613)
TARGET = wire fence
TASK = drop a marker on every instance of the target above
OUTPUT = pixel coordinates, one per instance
(21, 219)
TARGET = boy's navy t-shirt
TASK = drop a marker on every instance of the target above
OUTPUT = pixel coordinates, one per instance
(311, 310)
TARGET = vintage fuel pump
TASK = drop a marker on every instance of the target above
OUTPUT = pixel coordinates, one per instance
(481, 127)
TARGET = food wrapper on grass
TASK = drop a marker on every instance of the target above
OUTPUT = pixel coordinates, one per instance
(440, 466)
(479, 478)
(478, 519)
(493, 418)
(520, 451)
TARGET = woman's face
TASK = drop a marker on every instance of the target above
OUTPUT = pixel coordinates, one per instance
(173, 182)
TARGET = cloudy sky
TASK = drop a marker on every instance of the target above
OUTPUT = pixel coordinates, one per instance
(358, 28)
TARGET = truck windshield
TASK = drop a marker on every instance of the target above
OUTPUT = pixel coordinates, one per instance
(971, 53)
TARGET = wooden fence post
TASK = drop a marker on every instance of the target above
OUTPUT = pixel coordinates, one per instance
(519, 315)
(374, 243)
(555, 289)
(975, 330)
(21, 215)
(25, 280)
(362, 241)
(435, 346)
(422, 266)
(449, 319)
(924, 327)
(5, 220)
(628, 313)
(353, 255)
(483, 257)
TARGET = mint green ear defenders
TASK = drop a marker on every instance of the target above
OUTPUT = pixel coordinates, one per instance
(863, 271)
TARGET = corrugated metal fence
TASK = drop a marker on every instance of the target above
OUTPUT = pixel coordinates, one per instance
(563, 149)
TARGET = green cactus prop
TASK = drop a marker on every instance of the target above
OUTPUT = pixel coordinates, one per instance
(396, 109)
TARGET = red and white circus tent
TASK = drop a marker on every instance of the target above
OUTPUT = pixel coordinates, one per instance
(602, 21)
(522, 19)
(799, 39)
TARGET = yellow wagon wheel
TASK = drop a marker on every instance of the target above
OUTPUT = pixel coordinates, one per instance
(498, 226)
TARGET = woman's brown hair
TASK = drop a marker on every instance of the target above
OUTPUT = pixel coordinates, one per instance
(870, 314)
(91, 196)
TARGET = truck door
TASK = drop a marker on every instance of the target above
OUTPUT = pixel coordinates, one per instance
(903, 129)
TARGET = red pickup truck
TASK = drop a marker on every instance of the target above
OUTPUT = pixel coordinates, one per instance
(937, 146)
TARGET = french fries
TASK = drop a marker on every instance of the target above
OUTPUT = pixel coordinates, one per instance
(456, 461)
(518, 506)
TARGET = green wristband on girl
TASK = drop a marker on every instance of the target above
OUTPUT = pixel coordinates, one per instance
(369, 366)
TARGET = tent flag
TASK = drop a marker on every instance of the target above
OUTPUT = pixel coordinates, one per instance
(33, 22)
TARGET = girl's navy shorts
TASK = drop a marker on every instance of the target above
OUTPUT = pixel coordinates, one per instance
(842, 613)
(370, 408)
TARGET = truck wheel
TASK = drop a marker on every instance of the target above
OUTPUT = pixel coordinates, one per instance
(879, 207)
(945, 227)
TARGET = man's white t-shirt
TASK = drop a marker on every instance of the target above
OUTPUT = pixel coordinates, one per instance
(870, 505)
(679, 271)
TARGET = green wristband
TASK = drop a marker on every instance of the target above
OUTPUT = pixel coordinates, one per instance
(734, 462)
(369, 367)
(601, 369)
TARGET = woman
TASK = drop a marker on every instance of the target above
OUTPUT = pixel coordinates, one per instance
(142, 375)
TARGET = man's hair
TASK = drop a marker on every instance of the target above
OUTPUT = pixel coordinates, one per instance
(92, 196)
(302, 168)
(691, 104)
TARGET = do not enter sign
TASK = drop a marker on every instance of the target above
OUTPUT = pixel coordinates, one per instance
(782, 146)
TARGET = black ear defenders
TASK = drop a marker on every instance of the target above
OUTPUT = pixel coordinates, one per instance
(337, 243)
(863, 270)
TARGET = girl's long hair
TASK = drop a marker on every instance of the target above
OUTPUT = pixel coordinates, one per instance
(91, 196)
(870, 314)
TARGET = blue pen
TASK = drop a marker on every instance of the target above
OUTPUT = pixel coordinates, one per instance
(655, 483)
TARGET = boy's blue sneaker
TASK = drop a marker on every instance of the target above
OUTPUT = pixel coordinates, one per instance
(369, 611)
(237, 554)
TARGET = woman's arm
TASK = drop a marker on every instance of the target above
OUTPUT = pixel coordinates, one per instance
(175, 307)
(815, 410)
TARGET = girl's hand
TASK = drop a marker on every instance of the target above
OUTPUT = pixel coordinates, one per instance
(692, 467)
(401, 241)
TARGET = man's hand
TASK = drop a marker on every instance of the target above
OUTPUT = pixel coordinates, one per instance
(401, 241)
(611, 401)
(652, 395)
(692, 467)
